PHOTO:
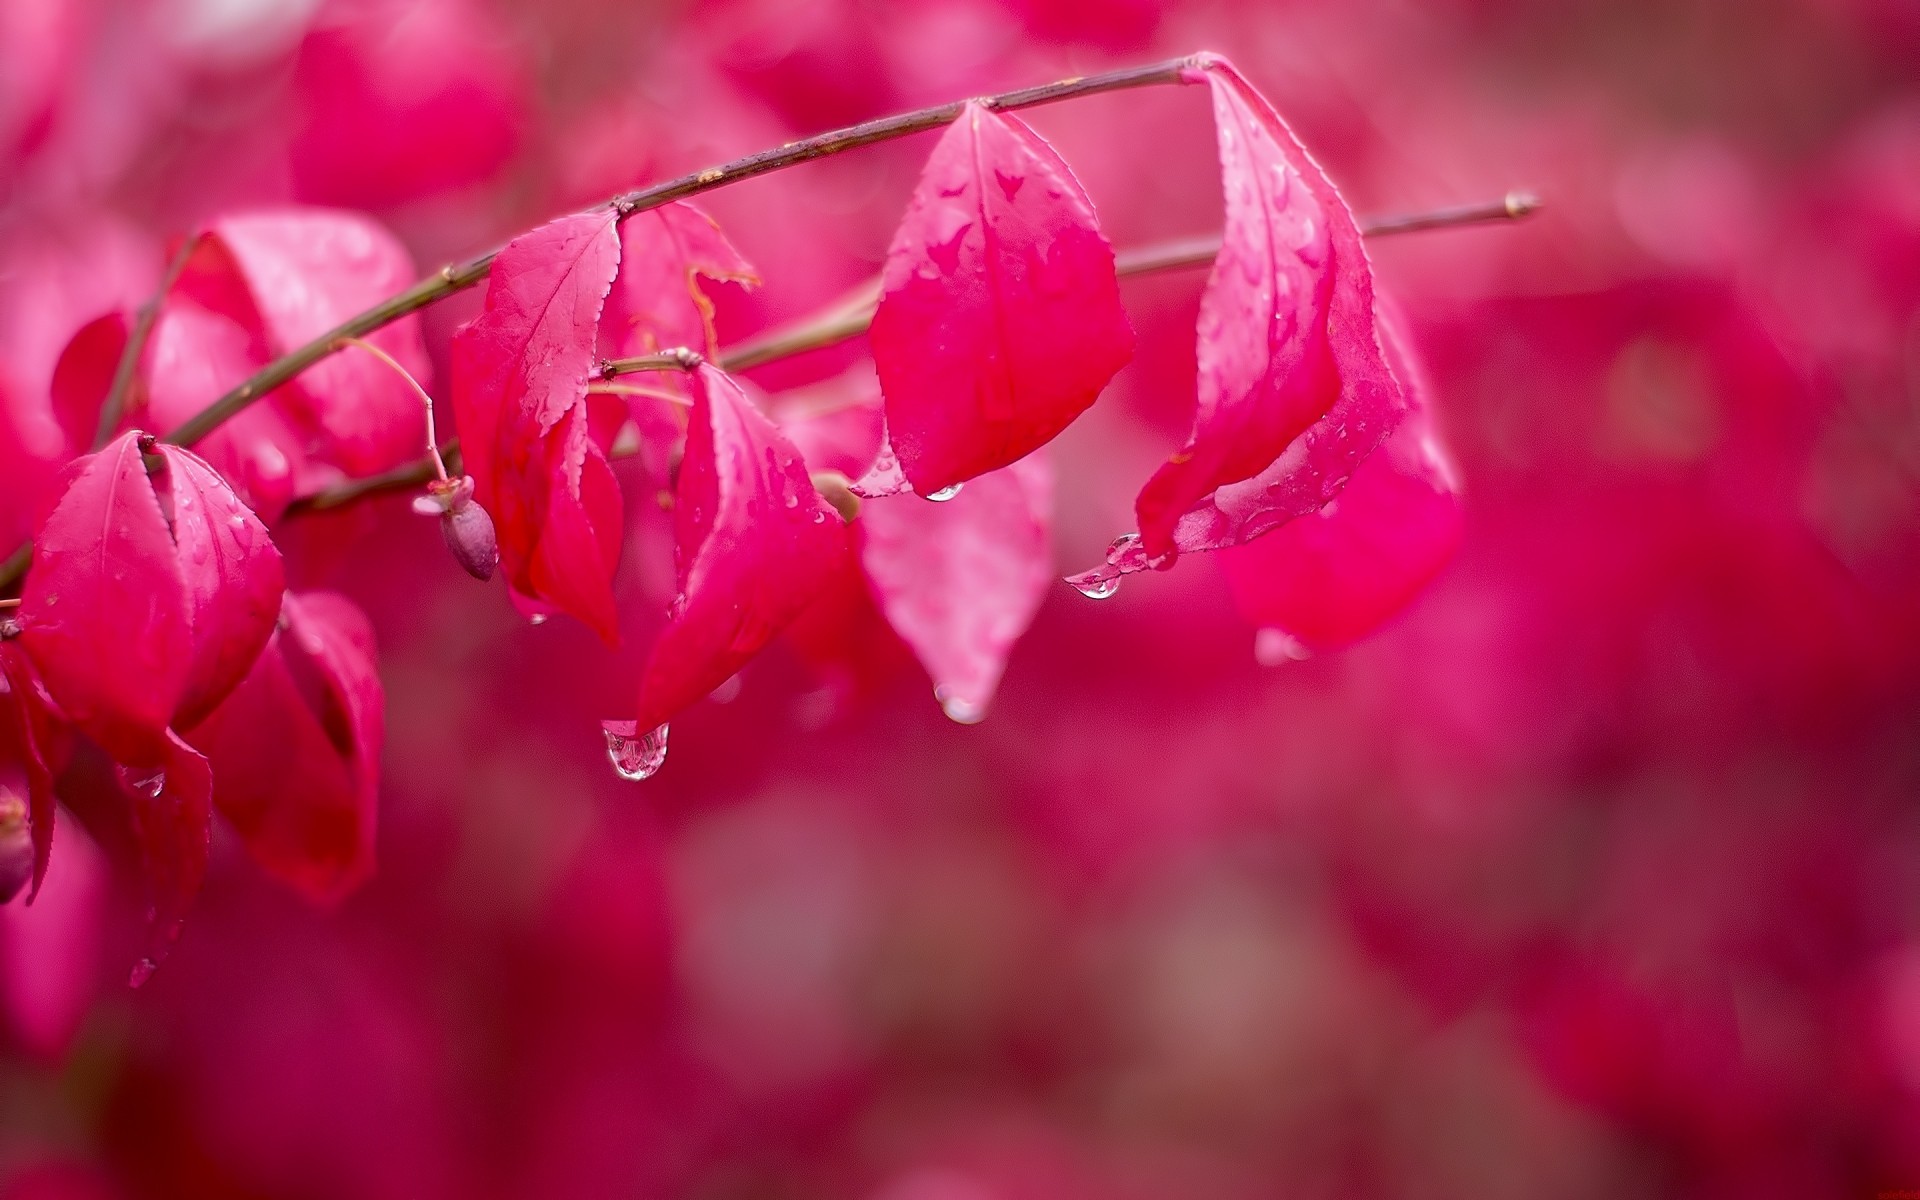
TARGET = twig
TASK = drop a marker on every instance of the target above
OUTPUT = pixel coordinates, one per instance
(129, 365)
(849, 317)
(458, 277)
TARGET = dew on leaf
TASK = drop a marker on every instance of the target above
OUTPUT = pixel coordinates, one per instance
(636, 758)
(1276, 647)
(959, 709)
(1096, 587)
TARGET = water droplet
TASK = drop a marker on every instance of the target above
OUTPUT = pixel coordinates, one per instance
(727, 692)
(944, 494)
(142, 971)
(149, 785)
(1122, 544)
(959, 709)
(1277, 647)
(1098, 587)
(537, 619)
(637, 758)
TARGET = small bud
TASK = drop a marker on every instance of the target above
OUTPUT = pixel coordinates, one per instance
(837, 491)
(16, 845)
(465, 525)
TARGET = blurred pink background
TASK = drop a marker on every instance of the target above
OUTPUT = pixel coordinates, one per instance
(1596, 873)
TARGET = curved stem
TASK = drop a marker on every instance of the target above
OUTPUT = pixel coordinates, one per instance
(433, 442)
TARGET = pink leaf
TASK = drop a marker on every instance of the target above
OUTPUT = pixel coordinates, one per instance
(656, 303)
(837, 424)
(1000, 318)
(172, 813)
(519, 392)
(233, 577)
(26, 776)
(754, 544)
(195, 356)
(149, 596)
(295, 750)
(290, 275)
(1286, 330)
(50, 953)
(1335, 575)
(192, 357)
(105, 614)
(961, 581)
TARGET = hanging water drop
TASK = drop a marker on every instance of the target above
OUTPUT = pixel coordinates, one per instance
(1276, 647)
(959, 709)
(537, 619)
(1099, 587)
(636, 758)
(944, 494)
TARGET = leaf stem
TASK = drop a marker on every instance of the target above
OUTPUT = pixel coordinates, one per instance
(433, 441)
(115, 403)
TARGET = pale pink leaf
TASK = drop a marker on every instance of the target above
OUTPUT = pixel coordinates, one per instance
(960, 581)
(50, 952)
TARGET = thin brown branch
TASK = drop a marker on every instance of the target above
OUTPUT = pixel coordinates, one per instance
(849, 317)
(455, 278)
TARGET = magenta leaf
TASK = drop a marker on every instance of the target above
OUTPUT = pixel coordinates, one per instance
(105, 615)
(960, 581)
(754, 545)
(26, 777)
(192, 357)
(295, 750)
(288, 276)
(1000, 318)
(1286, 332)
(170, 801)
(656, 303)
(1335, 575)
(233, 575)
(152, 590)
(519, 392)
